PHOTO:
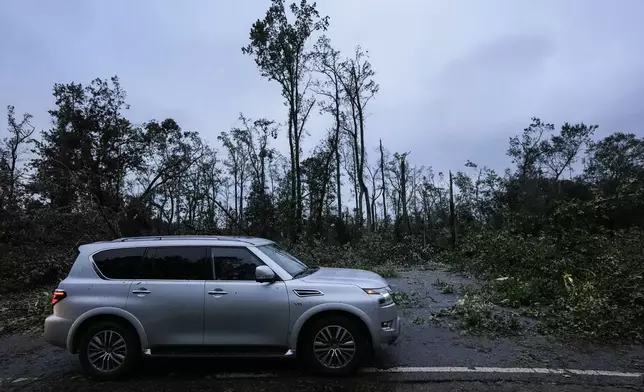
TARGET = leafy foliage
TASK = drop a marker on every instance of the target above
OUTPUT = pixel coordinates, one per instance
(377, 252)
(476, 314)
(583, 282)
(445, 287)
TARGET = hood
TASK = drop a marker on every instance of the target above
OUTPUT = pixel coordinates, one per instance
(361, 278)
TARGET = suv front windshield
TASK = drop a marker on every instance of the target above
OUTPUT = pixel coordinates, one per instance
(287, 261)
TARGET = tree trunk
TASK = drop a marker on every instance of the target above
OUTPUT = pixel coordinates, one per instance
(357, 179)
(262, 184)
(358, 203)
(235, 177)
(374, 218)
(356, 184)
(298, 172)
(403, 193)
(452, 214)
(298, 175)
(337, 149)
(291, 143)
(363, 186)
(384, 186)
(338, 178)
(240, 218)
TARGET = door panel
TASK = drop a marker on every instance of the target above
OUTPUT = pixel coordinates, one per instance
(240, 311)
(250, 313)
(168, 299)
(171, 312)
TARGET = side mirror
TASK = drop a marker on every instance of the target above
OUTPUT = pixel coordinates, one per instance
(264, 274)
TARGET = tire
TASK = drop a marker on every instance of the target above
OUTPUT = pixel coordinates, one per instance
(123, 346)
(333, 361)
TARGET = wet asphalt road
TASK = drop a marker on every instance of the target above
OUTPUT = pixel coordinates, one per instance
(27, 363)
(312, 385)
(167, 376)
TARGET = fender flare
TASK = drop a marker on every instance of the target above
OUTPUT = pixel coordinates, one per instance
(108, 311)
(297, 327)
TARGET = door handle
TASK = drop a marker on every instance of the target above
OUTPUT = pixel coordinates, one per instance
(141, 291)
(217, 292)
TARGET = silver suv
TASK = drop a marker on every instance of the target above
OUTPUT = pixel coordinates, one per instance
(215, 296)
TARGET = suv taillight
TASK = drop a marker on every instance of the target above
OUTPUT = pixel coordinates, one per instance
(57, 296)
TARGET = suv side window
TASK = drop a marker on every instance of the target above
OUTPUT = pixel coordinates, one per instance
(177, 263)
(122, 263)
(234, 263)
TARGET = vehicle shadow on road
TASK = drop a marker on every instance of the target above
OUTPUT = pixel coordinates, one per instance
(216, 367)
(216, 374)
(228, 367)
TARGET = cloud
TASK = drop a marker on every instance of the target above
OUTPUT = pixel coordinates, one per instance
(457, 78)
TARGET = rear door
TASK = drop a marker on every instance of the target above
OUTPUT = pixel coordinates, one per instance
(241, 313)
(116, 267)
(168, 299)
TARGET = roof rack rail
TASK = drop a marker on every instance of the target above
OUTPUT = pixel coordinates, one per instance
(165, 237)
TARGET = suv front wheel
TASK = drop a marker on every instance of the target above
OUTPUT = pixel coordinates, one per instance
(108, 351)
(334, 345)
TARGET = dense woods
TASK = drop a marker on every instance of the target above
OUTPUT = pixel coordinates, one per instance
(562, 228)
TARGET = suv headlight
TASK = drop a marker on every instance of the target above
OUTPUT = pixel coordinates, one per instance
(384, 295)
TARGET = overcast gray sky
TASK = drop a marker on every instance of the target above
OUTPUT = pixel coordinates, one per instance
(457, 78)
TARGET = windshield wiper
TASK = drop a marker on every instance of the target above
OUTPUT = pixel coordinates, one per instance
(305, 272)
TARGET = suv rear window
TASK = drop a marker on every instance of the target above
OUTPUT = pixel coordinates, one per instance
(122, 263)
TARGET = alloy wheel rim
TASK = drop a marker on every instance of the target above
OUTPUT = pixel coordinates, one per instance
(334, 346)
(106, 351)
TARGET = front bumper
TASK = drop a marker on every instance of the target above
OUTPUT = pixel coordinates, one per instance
(389, 333)
(388, 328)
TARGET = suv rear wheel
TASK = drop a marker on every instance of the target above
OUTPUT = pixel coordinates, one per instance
(108, 351)
(334, 345)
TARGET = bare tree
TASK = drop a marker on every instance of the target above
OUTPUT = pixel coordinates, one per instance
(374, 173)
(359, 87)
(237, 163)
(350, 167)
(20, 133)
(328, 63)
(399, 177)
(254, 136)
